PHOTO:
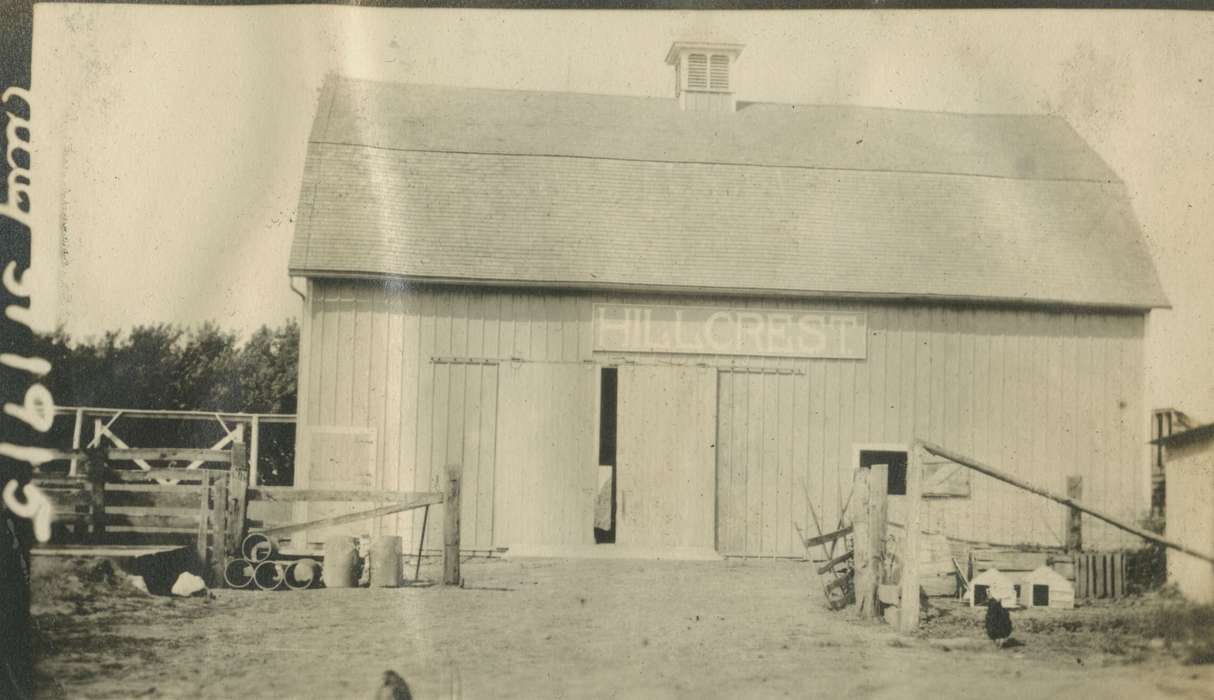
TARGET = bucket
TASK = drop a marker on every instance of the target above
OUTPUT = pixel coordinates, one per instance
(385, 561)
(341, 554)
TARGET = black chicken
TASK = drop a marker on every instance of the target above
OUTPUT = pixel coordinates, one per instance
(998, 622)
(394, 688)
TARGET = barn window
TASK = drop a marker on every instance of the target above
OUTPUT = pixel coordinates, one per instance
(895, 460)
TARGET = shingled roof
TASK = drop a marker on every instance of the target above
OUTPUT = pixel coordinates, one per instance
(596, 191)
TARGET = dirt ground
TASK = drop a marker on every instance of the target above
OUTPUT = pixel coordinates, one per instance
(559, 629)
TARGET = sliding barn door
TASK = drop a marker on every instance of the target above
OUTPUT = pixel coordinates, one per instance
(665, 457)
(546, 456)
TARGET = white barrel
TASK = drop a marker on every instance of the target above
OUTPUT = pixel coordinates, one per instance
(385, 561)
(341, 555)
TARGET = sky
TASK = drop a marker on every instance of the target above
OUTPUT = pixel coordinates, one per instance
(170, 141)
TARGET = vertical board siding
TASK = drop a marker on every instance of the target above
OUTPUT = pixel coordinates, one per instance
(1042, 394)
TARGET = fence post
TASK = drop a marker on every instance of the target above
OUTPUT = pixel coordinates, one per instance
(238, 487)
(451, 507)
(219, 527)
(96, 467)
(878, 487)
(908, 609)
(1074, 518)
(865, 581)
(203, 517)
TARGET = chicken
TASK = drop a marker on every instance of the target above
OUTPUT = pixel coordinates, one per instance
(998, 622)
(394, 688)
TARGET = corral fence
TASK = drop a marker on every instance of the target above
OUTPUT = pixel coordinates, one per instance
(100, 509)
(270, 437)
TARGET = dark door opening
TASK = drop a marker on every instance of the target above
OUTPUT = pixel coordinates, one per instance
(896, 462)
(604, 506)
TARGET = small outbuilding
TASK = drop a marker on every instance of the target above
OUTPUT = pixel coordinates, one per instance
(993, 583)
(1045, 588)
(1189, 490)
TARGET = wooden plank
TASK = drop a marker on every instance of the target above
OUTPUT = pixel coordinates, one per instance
(290, 494)
(141, 475)
(171, 522)
(423, 499)
(181, 498)
(866, 581)
(451, 575)
(102, 551)
(909, 615)
(1045, 493)
(828, 537)
(846, 556)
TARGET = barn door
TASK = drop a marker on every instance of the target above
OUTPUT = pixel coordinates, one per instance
(547, 464)
(758, 490)
(338, 458)
(463, 424)
(665, 457)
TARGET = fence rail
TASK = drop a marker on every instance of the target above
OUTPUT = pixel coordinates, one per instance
(105, 507)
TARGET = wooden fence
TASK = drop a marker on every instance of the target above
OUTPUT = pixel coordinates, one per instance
(100, 506)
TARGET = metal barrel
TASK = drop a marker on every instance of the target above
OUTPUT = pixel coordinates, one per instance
(341, 554)
(239, 573)
(385, 561)
(302, 574)
(256, 547)
(269, 575)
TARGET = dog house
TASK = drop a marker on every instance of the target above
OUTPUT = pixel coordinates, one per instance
(993, 583)
(1045, 588)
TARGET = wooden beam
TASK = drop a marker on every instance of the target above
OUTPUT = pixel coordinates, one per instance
(422, 499)
(168, 522)
(290, 494)
(451, 576)
(866, 581)
(1070, 502)
(908, 614)
(828, 537)
(132, 475)
(835, 562)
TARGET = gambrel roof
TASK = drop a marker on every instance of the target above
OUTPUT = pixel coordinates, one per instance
(595, 191)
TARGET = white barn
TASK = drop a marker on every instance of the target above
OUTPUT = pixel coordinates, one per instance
(724, 306)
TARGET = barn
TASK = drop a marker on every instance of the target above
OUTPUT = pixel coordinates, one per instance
(676, 326)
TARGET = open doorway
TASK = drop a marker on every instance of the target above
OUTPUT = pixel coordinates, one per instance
(605, 500)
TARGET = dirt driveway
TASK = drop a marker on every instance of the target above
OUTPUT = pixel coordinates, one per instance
(547, 629)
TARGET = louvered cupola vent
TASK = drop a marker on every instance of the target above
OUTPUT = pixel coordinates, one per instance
(702, 75)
